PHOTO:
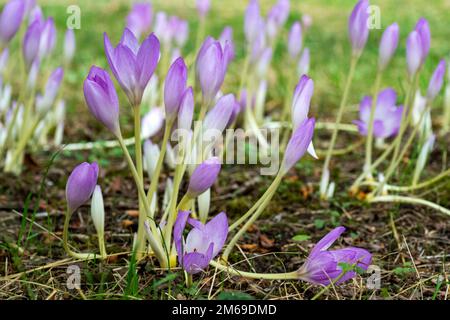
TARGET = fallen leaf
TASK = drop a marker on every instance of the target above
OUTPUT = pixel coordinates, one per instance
(132, 213)
(127, 223)
(266, 242)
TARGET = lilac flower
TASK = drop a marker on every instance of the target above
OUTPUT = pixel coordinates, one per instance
(203, 242)
(277, 17)
(219, 116)
(31, 43)
(69, 45)
(388, 45)
(423, 29)
(174, 87)
(414, 53)
(295, 40)
(211, 66)
(387, 117)
(139, 20)
(81, 185)
(101, 98)
(252, 21)
(203, 177)
(10, 20)
(186, 112)
(203, 7)
(298, 144)
(304, 62)
(357, 26)
(323, 265)
(302, 100)
(436, 81)
(133, 64)
(48, 38)
(43, 103)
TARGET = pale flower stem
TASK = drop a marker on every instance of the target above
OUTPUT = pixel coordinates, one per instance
(350, 76)
(411, 200)
(406, 119)
(252, 275)
(395, 163)
(369, 140)
(155, 179)
(252, 219)
(146, 204)
(138, 151)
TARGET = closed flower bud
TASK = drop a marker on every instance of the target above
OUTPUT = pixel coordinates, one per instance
(101, 98)
(436, 81)
(10, 20)
(203, 177)
(98, 210)
(298, 144)
(388, 45)
(295, 40)
(186, 112)
(358, 28)
(80, 185)
(174, 87)
(69, 45)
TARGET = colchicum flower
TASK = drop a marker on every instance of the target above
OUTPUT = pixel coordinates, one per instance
(186, 112)
(436, 81)
(387, 117)
(252, 21)
(324, 266)
(358, 27)
(203, 7)
(133, 64)
(45, 102)
(174, 88)
(203, 242)
(81, 185)
(418, 46)
(139, 20)
(388, 45)
(295, 40)
(69, 45)
(203, 177)
(101, 98)
(211, 67)
(298, 144)
(219, 116)
(10, 20)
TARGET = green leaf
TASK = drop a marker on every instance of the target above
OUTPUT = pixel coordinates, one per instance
(301, 237)
(319, 223)
(234, 295)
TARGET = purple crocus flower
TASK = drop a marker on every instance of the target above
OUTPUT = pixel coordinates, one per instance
(81, 185)
(10, 20)
(423, 28)
(226, 40)
(69, 45)
(302, 100)
(43, 103)
(181, 32)
(387, 117)
(252, 21)
(436, 81)
(388, 45)
(298, 144)
(139, 20)
(101, 98)
(48, 37)
(323, 265)
(203, 7)
(133, 64)
(31, 41)
(203, 242)
(357, 26)
(295, 40)
(174, 87)
(304, 62)
(414, 53)
(211, 66)
(203, 177)
(277, 17)
(219, 116)
(186, 112)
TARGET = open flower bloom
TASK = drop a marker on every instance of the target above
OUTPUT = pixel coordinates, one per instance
(133, 64)
(203, 242)
(323, 265)
(81, 185)
(387, 117)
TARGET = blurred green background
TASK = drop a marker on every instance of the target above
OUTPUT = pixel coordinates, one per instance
(327, 40)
